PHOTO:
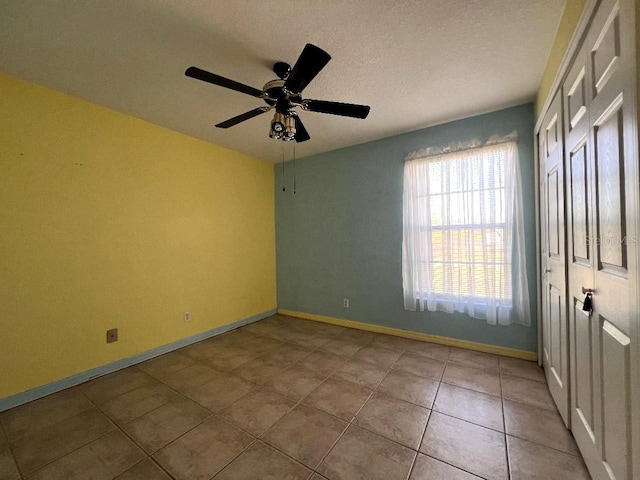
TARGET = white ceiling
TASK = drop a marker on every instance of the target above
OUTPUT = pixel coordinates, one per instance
(416, 62)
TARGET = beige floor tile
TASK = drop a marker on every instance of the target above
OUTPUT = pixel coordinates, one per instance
(365, 374)
(328, 329)
(427, 468)
(106, 458)
(472, 378)
(341, 347)
(361, 337)
(8, 467)
(191, 377)
(281, 334)
(395, 419)
(166, 364)
(521, 368)
(323, 363)
(409, 387)
(163, 425)
(470, 447)
(469, 405)
(220, 392)
(306, 434)
(530, 461)
(383, 357)
(310, 340)
(318, 477)
(538, 425)
(428, 349)
(306, 326)
(287, 354)
(202, 452)
(392, 342)
(527, 391)
(237, 337)
(259, 371)
(338, 397)
(360, 454)
(421, 366)
(261, 462)
(471, 358)
(202, 350)
(259, 410)
(47, 444)
(261, 345)
(295, 382)
(228, 359)
(137, 402)
(41, 413)
(280, 320)
(145, 470)
(261, 327)
(115, 384)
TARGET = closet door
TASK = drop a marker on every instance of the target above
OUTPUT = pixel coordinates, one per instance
(603, 379)
(580, 234)
(555, 359)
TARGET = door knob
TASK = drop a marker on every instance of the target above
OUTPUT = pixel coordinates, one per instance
(547, 270)
(588, 290)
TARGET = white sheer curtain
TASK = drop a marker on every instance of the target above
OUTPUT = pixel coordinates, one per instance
(463, 231)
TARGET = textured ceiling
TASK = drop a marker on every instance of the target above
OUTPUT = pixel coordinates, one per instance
(416, 62)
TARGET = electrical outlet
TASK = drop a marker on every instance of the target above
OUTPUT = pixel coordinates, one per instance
(345, 302)
(112, 335)
(187, 316)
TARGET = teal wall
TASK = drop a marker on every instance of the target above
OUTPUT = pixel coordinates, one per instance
(340, 235)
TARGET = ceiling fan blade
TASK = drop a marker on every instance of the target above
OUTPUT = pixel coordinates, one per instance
(301, 133)
(241, 118)
(199, 74)
(311, 61)
(337, 108)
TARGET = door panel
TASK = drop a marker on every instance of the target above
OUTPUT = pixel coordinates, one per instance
(583, 400)
(610, 207)
(557, 361)
(616, 401)
(579, 205)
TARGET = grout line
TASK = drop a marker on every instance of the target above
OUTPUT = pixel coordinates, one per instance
(10, 448)
(504, 424)
(126, 434)
(431, 410)
(475, 475)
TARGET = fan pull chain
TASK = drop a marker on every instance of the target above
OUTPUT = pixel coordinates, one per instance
(283, 184)
(294, 167)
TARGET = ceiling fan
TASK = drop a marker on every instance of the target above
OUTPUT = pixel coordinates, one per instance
(284, 95)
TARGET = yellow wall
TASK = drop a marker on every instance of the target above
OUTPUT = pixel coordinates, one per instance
(569, 21)
(109, 221)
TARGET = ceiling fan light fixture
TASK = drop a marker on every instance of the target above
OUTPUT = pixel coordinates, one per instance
(289, 128)
(278, 122)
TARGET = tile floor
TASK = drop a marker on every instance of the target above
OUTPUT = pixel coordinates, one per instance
(289, 399)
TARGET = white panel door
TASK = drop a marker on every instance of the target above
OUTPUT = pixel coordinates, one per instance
(555, 358)
(580, 265)
(604, 171)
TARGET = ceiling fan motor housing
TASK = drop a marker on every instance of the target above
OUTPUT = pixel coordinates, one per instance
(282, 70)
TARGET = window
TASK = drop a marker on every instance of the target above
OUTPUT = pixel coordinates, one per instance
(463, 247)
